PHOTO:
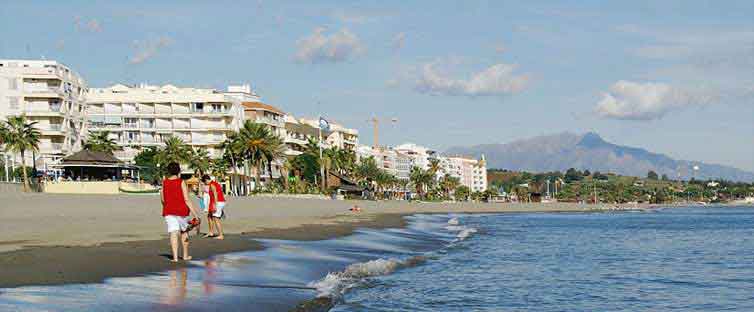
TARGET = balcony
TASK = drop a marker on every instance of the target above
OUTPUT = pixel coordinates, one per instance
(51, 148)
(41, 91)
(130, 125)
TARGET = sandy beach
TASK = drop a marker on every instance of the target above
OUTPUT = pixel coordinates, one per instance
(56, 239)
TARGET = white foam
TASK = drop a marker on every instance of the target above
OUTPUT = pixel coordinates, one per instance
(455, 228)
(465, 233)
(336, 283)
(453, 221)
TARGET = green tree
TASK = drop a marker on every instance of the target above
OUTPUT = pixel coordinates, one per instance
(101, 142)
(199, 161)
(233, 153)
(365, 171)
(146, 159)
(652, 175)
(462, 193)
(421, 179)
(175, 150)
(255, 138)
(572, 175)
(448, 184)
(218, 167)
(21, 136)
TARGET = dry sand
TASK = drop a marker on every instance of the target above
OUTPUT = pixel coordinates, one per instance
(54, 239)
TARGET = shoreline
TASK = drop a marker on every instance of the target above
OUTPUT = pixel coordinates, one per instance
(87, 239)
(60, 265)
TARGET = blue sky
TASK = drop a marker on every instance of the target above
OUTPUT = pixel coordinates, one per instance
(675, 77)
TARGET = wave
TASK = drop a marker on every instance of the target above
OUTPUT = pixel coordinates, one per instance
(465, 233)
(336, 284)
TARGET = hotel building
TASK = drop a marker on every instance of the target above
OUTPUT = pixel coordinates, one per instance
(50, 94)
(145, 115)
(300, 130)
(471, 172)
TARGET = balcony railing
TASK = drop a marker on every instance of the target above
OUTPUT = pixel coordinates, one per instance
(55, 90)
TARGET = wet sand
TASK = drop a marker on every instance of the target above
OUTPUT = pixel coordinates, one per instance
(51, 239)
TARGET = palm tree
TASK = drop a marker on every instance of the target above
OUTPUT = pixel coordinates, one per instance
(199, 160)
(233, 153)
(365, 170)
(285, 171)
(218, 167)
(273, 150)
(101, 142)
(434, 166)
(175, 150)
(420, 178)
(21, 136)
(448, 184)
(258, 143)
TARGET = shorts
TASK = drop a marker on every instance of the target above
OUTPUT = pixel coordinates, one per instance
(219, 210)
(176, 223)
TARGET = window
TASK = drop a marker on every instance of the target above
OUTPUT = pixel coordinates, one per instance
(12, 84)
(13, 102)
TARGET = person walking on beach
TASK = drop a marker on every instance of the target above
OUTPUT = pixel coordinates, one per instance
(176, 207)
(205, 202)
(216, 206)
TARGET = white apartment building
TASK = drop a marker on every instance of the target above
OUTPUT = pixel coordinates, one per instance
(146, 115)
(419, 155)
(51, 94)
(300, 130)
(338, 135)
(394, 162)
(471, 172)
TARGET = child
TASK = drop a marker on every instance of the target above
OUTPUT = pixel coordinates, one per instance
(176, 207)
(216, 206)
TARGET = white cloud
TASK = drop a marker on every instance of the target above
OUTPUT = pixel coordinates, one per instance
(321, 48)
(399, 41)
(148, 49)
(496, 80)
(629, 100)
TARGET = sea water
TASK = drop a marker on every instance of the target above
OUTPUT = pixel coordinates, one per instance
(684, 259)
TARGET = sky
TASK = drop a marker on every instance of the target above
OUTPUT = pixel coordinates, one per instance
(675, 77)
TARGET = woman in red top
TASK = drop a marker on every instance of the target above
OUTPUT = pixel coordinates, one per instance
(216, 205)
(176, 208)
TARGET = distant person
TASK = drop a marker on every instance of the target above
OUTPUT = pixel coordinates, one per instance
(176, 207)
(216, 206)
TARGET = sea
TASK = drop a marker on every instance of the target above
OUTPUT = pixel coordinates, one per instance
(667, 259)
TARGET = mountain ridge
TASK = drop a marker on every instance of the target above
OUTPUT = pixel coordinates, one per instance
(560, 151)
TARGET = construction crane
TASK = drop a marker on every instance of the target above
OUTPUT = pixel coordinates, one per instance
(376, 126)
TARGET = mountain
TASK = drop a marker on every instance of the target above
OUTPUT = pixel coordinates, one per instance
(589, 151)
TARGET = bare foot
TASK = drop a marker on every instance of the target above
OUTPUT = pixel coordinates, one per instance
(221, 237)
(188, 258)
(174, 260)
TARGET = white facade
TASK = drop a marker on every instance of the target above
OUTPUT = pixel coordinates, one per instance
(51, 94)
(147, 115)
(419, 155)
(338, 136)
(471, 172)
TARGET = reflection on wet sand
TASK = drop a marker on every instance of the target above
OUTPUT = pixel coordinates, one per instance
(210, 274)
(175, 292)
